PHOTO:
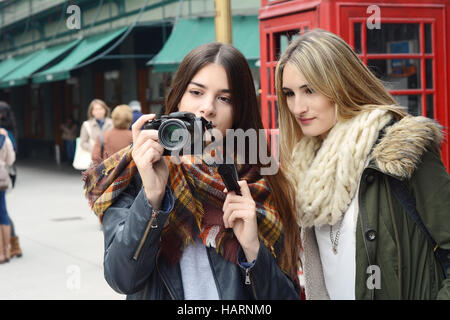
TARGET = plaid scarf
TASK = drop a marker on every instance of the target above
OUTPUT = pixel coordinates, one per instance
(197, 212)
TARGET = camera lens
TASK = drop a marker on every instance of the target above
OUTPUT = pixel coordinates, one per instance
(170, 136)
(173, 134)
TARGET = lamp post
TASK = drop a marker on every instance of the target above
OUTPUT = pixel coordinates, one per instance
(222, 21)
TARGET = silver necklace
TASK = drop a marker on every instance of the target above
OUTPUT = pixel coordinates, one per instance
(335, 241)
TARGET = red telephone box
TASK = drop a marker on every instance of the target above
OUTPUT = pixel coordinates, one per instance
(404, 42)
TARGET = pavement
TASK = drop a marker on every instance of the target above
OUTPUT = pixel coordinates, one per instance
(60, 236)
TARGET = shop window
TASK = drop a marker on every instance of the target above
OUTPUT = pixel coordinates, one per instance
(158, 88)
(36, 114)
(112, 88)
(74, 86)
(74, 104)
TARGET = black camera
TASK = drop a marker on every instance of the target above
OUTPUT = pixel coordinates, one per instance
(181, 132)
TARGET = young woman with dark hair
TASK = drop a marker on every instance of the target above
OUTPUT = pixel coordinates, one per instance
(175, 232)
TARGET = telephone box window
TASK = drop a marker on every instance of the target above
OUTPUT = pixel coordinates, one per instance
(357, 37)
(394, 38)
(429, 73)
(397, 74)
(428, 46)
(430, 106)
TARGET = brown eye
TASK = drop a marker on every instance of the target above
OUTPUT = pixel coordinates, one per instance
(309, 90)
(225, 99)
(195, 92)
(289, 93)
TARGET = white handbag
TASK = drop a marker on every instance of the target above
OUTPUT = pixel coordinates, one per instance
(5, 179)
(83, 158)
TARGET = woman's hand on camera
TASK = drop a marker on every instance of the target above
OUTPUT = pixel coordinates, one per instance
(240, 214)
(147, 154)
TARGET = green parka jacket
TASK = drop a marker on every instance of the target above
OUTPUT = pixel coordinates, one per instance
(393, 257)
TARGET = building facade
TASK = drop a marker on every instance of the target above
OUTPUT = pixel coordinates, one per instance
(56, 56)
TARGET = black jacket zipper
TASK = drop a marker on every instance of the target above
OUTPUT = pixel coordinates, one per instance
(250, 281)
(162, 277)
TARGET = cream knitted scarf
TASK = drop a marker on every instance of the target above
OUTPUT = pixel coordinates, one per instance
(326, 173)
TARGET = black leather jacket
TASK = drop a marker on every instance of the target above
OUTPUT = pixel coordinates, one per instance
(133, 266)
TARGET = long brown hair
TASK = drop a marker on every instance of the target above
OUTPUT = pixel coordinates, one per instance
(246, 115)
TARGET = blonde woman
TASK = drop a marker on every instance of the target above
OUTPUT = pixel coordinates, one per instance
(349, 147)
(98, 122)
(117, 138)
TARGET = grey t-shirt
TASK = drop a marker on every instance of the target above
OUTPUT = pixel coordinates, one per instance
(196, 273)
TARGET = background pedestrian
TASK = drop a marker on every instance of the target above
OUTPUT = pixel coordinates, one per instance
(69, 136)
(8, 122)
(97, 124)
(117, 138)
(7, 158)
(137, 111)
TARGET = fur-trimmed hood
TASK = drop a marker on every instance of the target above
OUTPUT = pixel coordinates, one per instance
(326, 173)
(399, 152)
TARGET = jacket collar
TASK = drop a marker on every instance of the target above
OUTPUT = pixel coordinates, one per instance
(399, 151)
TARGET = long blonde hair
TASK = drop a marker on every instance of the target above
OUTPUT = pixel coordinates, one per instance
(332, 68)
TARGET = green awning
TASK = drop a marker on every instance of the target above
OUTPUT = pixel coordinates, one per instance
(190, 33)
(85, 48)
(9, 65)
(37, 60)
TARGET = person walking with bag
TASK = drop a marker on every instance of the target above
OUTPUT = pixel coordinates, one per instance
(8, 122)
(7, 158)
(98, 123)
(171, 230)
(371, 192)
